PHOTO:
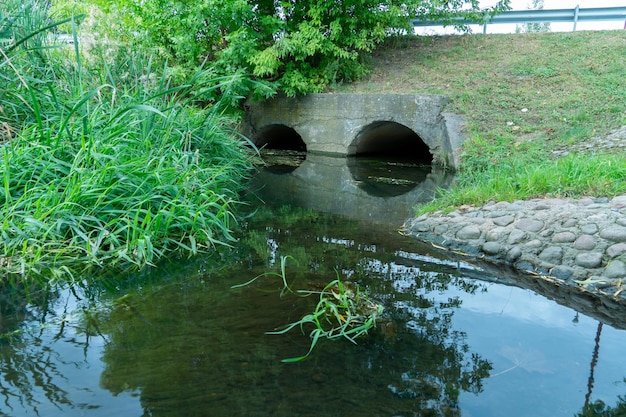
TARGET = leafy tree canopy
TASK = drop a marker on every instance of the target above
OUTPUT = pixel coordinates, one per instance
(295, 46)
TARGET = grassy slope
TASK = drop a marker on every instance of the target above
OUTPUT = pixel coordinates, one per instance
(570, 85)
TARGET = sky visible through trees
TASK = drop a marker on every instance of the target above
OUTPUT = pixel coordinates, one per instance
(547, 4)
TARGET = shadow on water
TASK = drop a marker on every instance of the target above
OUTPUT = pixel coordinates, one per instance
(395, 177)
(179, 341)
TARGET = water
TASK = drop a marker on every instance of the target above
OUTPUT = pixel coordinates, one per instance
(179, 341)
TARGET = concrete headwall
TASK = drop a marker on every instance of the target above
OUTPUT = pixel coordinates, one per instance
(335, 123)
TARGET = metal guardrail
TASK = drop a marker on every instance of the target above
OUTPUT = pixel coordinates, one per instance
(575, 15)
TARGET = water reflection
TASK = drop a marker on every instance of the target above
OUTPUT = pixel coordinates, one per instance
(207, 349)
(179, 341)
(392, 177)
(383, 191)
(48, 353)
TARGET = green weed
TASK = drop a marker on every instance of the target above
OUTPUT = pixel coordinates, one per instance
(344, 310)
(522, 178)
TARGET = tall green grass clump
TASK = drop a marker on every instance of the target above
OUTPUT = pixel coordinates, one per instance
(107, 163)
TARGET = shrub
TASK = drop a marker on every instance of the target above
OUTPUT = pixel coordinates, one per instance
(109, 163)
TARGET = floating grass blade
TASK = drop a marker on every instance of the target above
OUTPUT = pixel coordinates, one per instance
(343, 311)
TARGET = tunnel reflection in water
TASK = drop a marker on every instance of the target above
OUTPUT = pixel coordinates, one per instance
(389, 169)
(370, 189)
(387, 177)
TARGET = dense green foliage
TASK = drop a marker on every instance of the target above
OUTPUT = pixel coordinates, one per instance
(103, 160)
(296, 47)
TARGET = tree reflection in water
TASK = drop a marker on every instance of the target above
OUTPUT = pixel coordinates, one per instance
(197, 346)
(27, 367)
(179, 341)
(599, 408)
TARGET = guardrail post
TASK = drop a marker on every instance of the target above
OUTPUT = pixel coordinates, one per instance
(575, 17)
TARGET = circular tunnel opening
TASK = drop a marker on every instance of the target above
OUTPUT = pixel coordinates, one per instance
(391, 140)
(389, 159)
(279, 136)
(281, 148)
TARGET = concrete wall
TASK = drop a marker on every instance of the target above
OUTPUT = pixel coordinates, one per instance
(335, 123)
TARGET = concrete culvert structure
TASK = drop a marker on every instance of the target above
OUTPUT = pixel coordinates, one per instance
(390, 139)
(279, 136)
(331, 123)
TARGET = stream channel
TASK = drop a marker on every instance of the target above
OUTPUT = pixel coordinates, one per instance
(456, 339)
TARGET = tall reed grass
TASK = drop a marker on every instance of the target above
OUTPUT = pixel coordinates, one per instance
(106, 163)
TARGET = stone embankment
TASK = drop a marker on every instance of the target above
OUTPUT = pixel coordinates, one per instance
(579, 242)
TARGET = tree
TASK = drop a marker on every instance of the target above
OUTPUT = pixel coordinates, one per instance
(295, 46)
(533, 27)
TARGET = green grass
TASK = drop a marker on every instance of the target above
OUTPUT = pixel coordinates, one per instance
(104, 162)
(570, 85)
(523, 178)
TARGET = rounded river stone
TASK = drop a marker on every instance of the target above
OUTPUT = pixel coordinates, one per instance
(616, 250)
(468, 232)
(497, 213)
(530, 225)
(492, 248)
(495, 234)
(514, 253)
(563, 237)
(516, 236)
(615, 269)
(589, 229)
(552, 254)
(440, 229)
(570, 223)
(533, 244)
(614, 234)
(562, 272)
(585, 242)
(589, 259)
(420, 227)
(503, 221)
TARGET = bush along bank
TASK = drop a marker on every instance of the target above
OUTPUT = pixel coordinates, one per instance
(105, 163)
(579, 242)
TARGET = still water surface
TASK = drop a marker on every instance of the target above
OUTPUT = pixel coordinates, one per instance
(179, 341)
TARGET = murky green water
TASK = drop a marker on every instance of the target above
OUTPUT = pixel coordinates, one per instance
(179, 341)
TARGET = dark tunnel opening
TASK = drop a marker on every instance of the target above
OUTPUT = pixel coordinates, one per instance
(281, 148)
(278, 136)
(392, 140)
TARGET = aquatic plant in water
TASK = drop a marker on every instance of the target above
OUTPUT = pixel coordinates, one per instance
(344, 310)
